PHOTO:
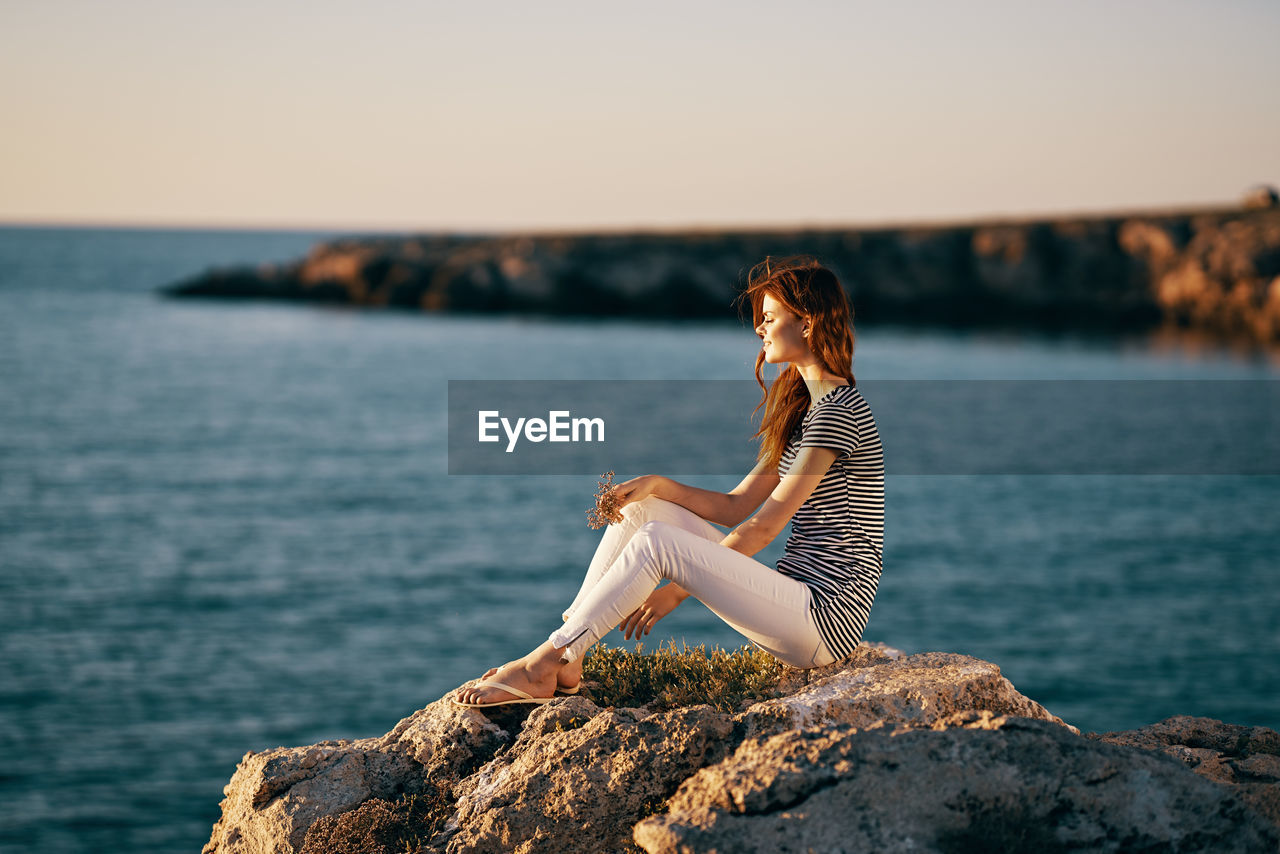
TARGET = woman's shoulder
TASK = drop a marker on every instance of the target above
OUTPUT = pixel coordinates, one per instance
(846, 397)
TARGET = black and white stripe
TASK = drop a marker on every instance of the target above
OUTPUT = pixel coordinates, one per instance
(837, 535)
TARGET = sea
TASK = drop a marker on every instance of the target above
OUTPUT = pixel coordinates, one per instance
(229, 525)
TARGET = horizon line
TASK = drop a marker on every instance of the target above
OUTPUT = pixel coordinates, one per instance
(985, 218)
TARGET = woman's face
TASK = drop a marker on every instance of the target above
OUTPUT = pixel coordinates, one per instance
(781, 332)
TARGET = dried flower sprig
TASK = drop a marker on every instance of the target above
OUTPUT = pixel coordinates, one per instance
(606, 511)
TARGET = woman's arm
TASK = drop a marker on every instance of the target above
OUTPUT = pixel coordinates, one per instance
(707, 503)
(806, 472)
(723, 508)
(718, 507)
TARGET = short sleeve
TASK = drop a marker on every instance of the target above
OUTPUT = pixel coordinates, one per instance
(834, 427)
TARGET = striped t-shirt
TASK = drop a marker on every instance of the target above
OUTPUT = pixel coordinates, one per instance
(837, 535)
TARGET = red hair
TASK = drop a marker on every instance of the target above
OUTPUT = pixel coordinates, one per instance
(810, 290)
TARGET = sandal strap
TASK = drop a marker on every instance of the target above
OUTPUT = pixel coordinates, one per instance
(493, 683)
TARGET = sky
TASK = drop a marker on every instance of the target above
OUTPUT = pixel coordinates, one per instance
(606, 116)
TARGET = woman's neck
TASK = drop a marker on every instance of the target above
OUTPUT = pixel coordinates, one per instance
(818, 380)
(820, 388)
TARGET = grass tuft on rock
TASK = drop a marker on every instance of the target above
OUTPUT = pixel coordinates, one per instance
(671, 677)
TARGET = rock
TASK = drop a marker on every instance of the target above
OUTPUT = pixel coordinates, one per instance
(1245, 759)
(937, 746)
(1261, 196)
(1015, 784)
(446, 739)
(275, 796)
(581, 789)
(917, 690)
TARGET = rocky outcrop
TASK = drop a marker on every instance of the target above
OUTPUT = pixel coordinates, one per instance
(1261, 196)
(1246, 759)
(1007, 784)
(881, 686)
(1216, 270)
(277, 795)
(580, 790)
(929, 749)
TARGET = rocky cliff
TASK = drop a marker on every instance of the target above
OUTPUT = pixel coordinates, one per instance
(879, 752)
(1215, 270)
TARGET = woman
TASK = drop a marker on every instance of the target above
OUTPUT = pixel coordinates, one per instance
(820, 466)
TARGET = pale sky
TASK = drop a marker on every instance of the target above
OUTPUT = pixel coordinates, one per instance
(596, 115)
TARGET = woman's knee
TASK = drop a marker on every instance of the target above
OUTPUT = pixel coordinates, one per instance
(654, 537)
(658, 529)
(654, 509)
(638, 511)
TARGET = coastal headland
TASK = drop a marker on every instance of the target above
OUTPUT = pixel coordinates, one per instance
(1214, 271)
(879, 752)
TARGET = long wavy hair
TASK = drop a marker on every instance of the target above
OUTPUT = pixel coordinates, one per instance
(808, 289)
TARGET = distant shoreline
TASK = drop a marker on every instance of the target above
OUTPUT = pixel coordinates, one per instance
(1212, 270)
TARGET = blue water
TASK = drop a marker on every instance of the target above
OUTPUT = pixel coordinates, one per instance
(227, 526)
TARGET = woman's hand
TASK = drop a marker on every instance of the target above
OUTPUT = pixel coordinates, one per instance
(661, 602)
(637, 488)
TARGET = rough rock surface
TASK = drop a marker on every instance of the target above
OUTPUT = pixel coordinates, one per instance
(581, 789)
(916, 690)
(276, 795)
(1213, 270)
(1245, 758)
(570, 776)
(1009, 784)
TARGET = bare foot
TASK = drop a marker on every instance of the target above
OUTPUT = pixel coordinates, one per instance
(517, 676)
(566, 680)
(570, 676)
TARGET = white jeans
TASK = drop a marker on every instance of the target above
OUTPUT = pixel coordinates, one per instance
(659, 539)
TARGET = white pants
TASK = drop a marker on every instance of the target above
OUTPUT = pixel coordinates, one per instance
(659, 539)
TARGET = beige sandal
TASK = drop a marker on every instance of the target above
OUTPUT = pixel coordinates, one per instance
(490, 683)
